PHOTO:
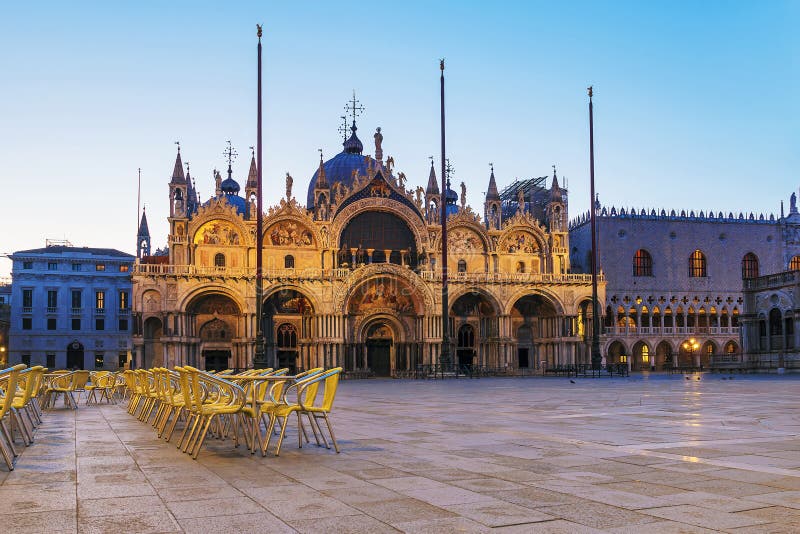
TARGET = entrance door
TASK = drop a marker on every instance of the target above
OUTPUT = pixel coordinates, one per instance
(465, 348)
(216, 360)
(379, 352)
(522, 357)
(75, 356)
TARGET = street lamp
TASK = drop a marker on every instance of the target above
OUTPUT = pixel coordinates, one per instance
(691, 345)
(2, 356)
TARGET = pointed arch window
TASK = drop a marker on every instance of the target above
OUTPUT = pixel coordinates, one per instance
(642, 263)
(794, 264)
(697, 265)
(750, 265)
(219, 260)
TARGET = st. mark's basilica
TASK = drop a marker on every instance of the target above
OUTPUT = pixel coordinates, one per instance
(353, 278)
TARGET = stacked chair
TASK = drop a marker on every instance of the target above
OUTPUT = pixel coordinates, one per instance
(19, 407)
(227, 404)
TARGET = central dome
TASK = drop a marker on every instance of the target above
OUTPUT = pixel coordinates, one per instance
(339, 169)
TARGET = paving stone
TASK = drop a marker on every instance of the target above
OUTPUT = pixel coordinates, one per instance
(143, 522)
(614, 456)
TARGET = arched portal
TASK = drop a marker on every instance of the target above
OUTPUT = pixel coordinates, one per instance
(465, 346)
(75, 355)
(379, 341)
(664, 356)
(473, 321)
(218, 323)
(286, 346)
(642, 358)
(535, 318)
(379, 236)
(524, 346)
(287, 323)
(152, 350)
(616, 353)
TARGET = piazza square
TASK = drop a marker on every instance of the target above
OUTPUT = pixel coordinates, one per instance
(658, 453)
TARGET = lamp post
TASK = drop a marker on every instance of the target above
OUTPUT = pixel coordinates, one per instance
(3, 356)
(691, 345)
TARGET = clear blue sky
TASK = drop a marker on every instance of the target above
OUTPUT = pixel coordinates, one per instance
(696, 103)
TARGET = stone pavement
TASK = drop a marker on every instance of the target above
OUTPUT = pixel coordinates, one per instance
(638, 454)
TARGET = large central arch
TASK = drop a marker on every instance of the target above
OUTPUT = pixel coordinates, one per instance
(218, 323)
(373, 233)
(287, 327)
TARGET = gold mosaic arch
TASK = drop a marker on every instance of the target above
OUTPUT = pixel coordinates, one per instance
(196, 293)
(489, 296)
(292, 221)
(364, 274)
(508, 307)
(308, 293)
(409, 216)
(290, 232)
(225, 213)
(363, 322)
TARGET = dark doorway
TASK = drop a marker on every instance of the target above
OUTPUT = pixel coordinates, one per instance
(286, 338)
(379, 353)
(465, 348)
(522, 357)
(75, 356)
(216, 360)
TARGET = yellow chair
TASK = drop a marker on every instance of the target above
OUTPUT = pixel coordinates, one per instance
(20, 405)
(8, 387)
(213, 400)
(64, 384)
(99, 381)
(306, 391)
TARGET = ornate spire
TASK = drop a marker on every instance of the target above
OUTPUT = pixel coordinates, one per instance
(433, 186)
(252, 176)
(144, 231)
(322, 181)
(554, 185)
(177, 172)
(555, 190)
(353, 145)
(491, 192)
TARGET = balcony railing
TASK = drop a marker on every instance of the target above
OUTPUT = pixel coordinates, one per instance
(99, 311)
(52, 309)
(124, 312)
(76, 311)
(338, 274)
(27, 309)
(681, 331)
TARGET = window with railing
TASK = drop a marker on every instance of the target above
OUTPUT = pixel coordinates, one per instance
(52, 300)
(219, 260)
(749, 265)
(794, 264)
(697, 265)
(100, 300)
(288, 262)
(462, 266)
(123, 300)
(642, 263)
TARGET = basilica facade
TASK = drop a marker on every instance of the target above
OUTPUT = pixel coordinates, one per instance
(353, 278)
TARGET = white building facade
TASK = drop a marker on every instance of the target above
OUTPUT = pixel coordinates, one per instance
(70, 307)
(674, 294)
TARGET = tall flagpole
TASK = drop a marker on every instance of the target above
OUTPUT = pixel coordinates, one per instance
(259, 358)
(444, 357)
(138, 210)
(596, 356)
